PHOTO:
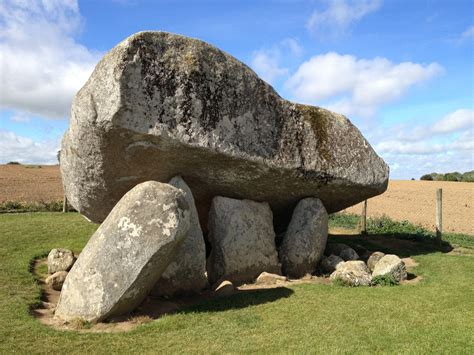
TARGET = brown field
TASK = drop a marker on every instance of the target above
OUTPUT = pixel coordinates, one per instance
(404, 200)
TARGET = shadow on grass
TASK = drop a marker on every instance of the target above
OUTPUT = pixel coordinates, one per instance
(401, 244)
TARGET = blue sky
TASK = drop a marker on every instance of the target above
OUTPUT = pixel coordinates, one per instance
(402, 71)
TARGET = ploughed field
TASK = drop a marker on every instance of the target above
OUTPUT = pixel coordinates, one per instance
(404, 200)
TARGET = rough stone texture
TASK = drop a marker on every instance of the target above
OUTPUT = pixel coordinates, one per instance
(269, 279)
(335, 248)
(390, 264)
(60, 260)
(160, 105)
(374, 259)
(242, 239)
(56, 280)
(352, 273)
(305, 239)
(127, 255)
(225, 288)
(349, 254)
(329, 264)
(187, 272)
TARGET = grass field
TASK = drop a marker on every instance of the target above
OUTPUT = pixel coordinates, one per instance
(436, 315)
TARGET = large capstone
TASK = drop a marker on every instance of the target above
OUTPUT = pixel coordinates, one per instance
(242, 240)
(127, 254)
(305, 240)
(160, 105)
(187, 272)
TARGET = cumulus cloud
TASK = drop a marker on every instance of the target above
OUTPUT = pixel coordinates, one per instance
(339, 16)
(356, 86)
(468, 34)
(267, 61)
(26, 150)
(42, 66)
(455, 121)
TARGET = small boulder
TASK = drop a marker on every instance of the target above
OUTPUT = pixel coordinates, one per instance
(242, 239)
(349, 254)
(305, 239)
(56, 280)
(374, 259)
(270, 279)
(225, 288)
(127, 255)
(187, 272)
(60, 260)
(352, 273)
(329, 264)
(335, 248)
(391, 265)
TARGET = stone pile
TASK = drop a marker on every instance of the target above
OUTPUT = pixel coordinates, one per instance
(245, 165)
(60, 261)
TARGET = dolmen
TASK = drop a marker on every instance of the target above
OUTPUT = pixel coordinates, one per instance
(199, 173)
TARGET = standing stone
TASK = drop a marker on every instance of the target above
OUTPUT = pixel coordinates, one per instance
(305, 240)
(159, 104)
(187, 271)
(242, 239)
(374, 259)
(127, 255)
(391, 265)
(352, 273)
(60, 260)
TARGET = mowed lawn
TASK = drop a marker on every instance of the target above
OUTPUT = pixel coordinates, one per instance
(435, 315)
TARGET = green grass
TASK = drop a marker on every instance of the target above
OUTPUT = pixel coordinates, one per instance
(436, 315)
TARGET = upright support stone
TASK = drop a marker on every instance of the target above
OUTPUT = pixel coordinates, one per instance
(439, 215)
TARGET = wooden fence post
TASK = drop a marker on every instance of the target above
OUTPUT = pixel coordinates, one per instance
(439, 214)
(363, 219)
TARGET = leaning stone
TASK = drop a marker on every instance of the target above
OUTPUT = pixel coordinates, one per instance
(352, 273)
(127, 255)
(390, 265)
(242, 240)
(187, 272)
(374, 259)
(305, 240)
(225, 288)
(349, 254)
(160, 104)
(60, 260)
(56, 280)
(269, 279)
(329, 264)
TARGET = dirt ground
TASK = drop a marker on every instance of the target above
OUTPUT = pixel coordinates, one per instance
(30, 183)
(404, 200)
(415, 201)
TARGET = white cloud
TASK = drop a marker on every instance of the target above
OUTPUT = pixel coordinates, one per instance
(41, 64)
(267, 61)
(468, 34)
(25, 150)
(339, 15)
(356, 86)
(455, 121)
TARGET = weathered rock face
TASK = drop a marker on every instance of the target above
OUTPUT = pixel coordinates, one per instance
(349, 254)
(329, 264)
(243, 241)
(267, 278)
(187, 271)
(127, 255)
(160, 105)
(390, 265)
(374, 259)
(305, 240)
(56, 280)
(60, 260)
(352, 273)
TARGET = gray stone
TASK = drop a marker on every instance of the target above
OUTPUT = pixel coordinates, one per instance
(158, 105)
(349, 254)
(60, 260)
(305, 239)
(187, 272)
(269, 279)
(56, 280)
(329, 264)
(352, 273)
(391, 265)
(374, 259)
(242, 239)
(127, 255)
(335, 248)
